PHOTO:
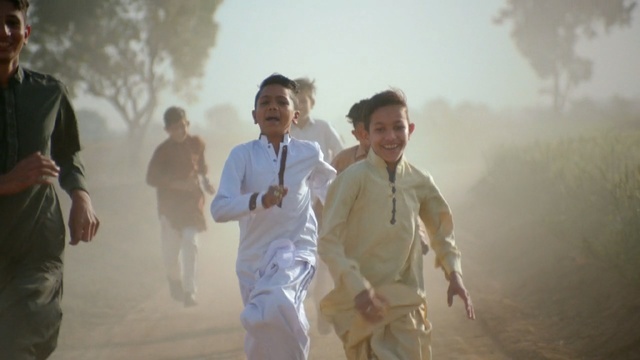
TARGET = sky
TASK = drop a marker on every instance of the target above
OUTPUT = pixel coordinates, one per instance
(354, 48)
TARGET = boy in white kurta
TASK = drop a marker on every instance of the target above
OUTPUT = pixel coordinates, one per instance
(267, 185)
(371, 244)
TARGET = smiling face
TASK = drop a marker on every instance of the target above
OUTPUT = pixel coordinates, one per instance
(14, 33)
(274, 112)
(389, 132)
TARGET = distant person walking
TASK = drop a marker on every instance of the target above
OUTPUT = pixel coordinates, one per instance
(39, 144)
(178, 171)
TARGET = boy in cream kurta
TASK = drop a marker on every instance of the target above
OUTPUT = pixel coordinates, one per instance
(371, 244)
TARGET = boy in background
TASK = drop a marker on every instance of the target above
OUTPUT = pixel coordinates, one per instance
(178, 171)
(309, 128)
(368, 240)
(348, 156)
(267, 185)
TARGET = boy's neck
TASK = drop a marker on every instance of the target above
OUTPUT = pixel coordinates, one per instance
(302, 122)
(7, 70)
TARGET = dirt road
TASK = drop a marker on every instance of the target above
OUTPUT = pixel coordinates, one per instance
(159, 328)
(117, 304)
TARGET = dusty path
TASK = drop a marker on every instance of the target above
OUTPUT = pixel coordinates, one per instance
(117, 305)
(159, 328)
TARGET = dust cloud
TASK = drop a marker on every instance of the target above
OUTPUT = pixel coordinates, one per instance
(116, 301)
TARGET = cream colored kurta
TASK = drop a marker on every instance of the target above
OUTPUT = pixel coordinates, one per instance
(367, 241)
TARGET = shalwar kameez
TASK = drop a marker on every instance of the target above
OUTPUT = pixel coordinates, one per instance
(370, 239)
(277, 250)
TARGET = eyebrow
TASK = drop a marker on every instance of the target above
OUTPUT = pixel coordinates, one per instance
(273, 96)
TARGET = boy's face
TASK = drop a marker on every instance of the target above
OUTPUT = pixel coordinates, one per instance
(360, 133)
(14, 33)
(275, 111)
(305, 104)
(389, 132)
(178, 130)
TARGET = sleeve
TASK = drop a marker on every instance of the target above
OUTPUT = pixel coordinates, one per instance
(230, 203)
(321, 177)
(438, 220)
(203, 168)
(65, 147)
(341, 197)
(155, 173)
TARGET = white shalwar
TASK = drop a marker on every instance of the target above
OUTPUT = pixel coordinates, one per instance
(277, 250)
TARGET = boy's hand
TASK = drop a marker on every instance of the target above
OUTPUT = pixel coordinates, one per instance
(424, 246)
(456, 287)
(206, 184)
(83, 222)
(273, 196)
(371, 306)
(34, 169)
(209, 189)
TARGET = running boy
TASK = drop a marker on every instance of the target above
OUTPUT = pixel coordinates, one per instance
(359, 152)
(312, 129)
(267, 185)
(177, 169)
(369, 242)
(348, 156)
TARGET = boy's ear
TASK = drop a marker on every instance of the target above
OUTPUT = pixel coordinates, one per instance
(253, 114)
(296, 115)
(27, 33)
(412, 126)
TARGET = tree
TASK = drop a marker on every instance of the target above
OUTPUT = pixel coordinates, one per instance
(92, 125)
(124, 51)
(546, 33)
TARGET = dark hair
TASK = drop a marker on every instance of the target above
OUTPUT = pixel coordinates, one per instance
(278, 79)
(356, 113)
(307, 86)
(173, 115)
(21, 5)
(382, 99)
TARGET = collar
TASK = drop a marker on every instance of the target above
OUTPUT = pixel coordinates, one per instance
(379, 163)
(285, 140)
(18, 75)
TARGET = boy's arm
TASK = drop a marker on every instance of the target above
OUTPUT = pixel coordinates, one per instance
(320, 179)
(65, 151)
(437, 218)
(230, 204)
(340, 198)
(155, 175)
(203, 169)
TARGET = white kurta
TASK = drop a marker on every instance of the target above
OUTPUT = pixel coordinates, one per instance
(321, 132)
(277, 250)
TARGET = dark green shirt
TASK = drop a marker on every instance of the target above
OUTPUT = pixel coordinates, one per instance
(35, 115)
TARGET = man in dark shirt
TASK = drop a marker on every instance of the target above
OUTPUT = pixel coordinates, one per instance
(38, 143)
